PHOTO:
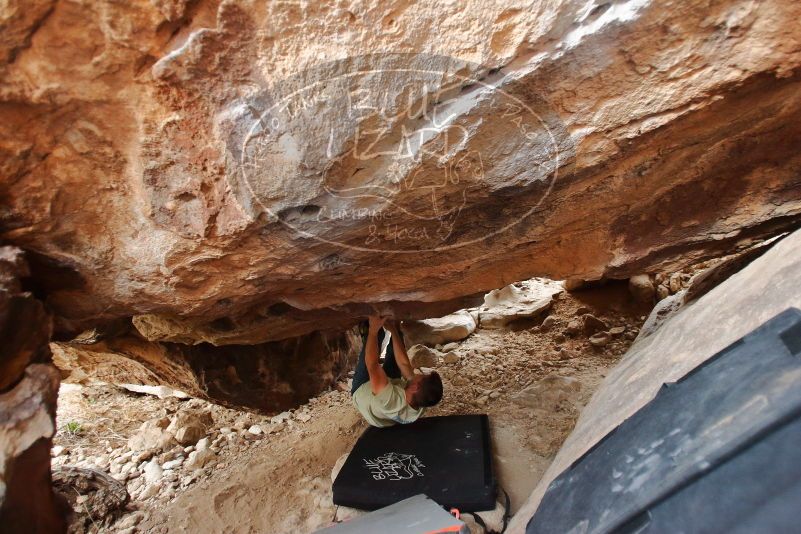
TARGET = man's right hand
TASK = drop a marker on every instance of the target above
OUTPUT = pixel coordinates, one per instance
(376, 322)
(391, 326)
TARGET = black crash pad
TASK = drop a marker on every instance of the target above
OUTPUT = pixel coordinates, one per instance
(447, 458)
(717, 451)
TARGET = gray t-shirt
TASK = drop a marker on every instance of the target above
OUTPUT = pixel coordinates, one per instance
(387, 408)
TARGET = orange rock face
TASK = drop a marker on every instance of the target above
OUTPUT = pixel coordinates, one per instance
(28, 392)
(241, 173)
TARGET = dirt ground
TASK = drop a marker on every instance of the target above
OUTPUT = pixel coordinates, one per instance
(531, 379)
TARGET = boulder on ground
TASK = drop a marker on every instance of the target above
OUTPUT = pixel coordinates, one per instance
(198, 459)
(685, 340)
(188, 435)
(642, 288)
(190, 426)
(523, 300)
(161, 392)
(454, 327)
(152, 434)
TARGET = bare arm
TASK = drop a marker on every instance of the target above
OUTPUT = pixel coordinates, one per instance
(378, 378)
(401, 358)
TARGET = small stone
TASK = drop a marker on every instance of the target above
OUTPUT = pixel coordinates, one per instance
(135, 484)
(422, 356)
(642, 288)
(601, 339)
(481, 401)
(573, 327)
(153, 472)
(225, 430)
(559, 338)
(548, 323)
(662, 292)
(203, 444)
(495, 394)
(303, 417)
(450, 346)
(591, 324)
(172, 464)
(150, 491)
(255, 430)
(152, 435)
(582, 310)
(675, 282)
(143, 456)
(565, 354)
(199, 459)
(451, 358)
(188, 435)
(57, 451)
(130, 520)
(280, 418)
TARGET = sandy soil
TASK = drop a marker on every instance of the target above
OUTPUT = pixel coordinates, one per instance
(280, 479)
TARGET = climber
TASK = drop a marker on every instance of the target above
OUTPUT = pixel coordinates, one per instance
(392, 393)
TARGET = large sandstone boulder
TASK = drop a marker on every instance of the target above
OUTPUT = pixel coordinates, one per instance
(28, 392)
(440, 331)
(238, 173)
(684, 340)
(524, 300)
(152, 435)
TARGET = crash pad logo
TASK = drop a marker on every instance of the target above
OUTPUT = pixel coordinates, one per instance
(395, 153)
(395, 466)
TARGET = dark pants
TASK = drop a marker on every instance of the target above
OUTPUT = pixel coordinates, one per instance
(360, 374)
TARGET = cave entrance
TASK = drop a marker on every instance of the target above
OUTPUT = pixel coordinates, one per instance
(530, 360)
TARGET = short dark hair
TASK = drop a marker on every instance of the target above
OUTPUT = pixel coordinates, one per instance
(429, 392)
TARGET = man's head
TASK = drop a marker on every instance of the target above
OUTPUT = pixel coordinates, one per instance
(424, 390)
